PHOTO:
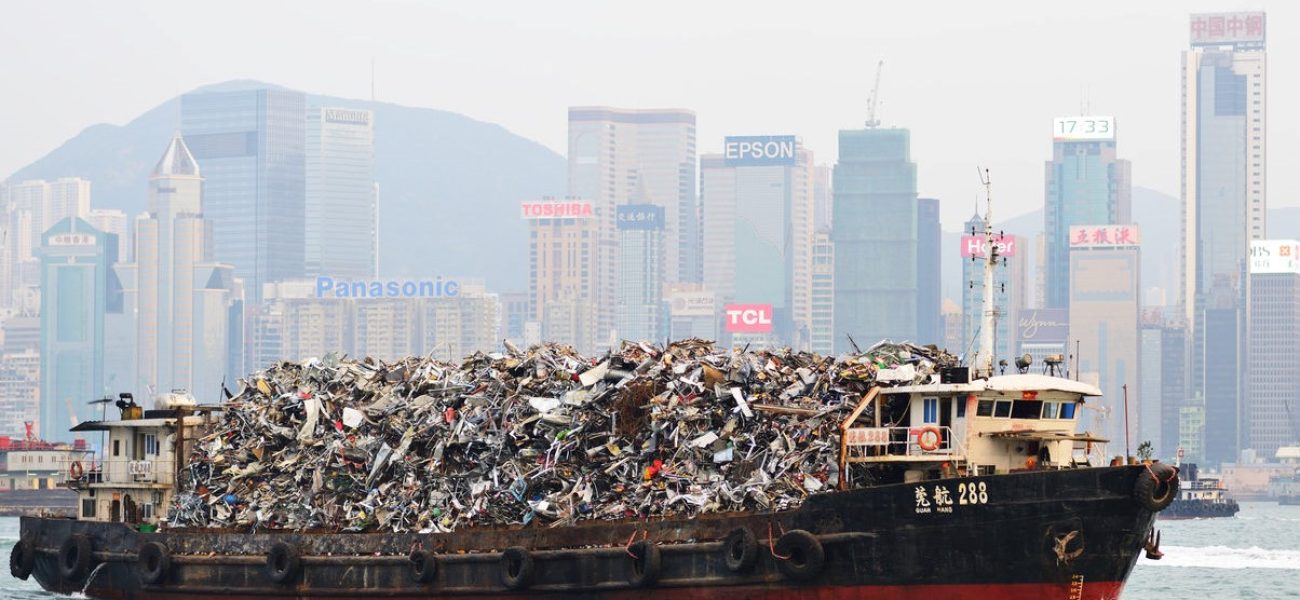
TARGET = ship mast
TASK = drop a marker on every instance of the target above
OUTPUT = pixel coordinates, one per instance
(983, 360)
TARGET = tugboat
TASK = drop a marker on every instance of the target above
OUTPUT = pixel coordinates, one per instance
(1201, 498)
(979, 486)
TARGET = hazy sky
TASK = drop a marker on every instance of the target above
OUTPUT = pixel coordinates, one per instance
(977, 82)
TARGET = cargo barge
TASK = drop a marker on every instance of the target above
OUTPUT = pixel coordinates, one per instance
(971, 487)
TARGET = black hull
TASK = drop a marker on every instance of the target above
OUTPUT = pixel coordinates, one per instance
(1004, 541)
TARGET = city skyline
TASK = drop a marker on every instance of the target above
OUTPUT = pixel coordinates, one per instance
(949, 137)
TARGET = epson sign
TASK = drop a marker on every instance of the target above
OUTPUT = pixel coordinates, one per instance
(759, 150)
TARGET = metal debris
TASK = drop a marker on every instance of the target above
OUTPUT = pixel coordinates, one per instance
(537, 436)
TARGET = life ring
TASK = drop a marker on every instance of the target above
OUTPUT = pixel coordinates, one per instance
(643, 569)
(74, 557)
(801, 556)
(283, 563)
(1157, 488)
(740, 550)
(75, 471)
(932, 434)
(153, 562)
(516, 568)
(424, 566)
(22, 559)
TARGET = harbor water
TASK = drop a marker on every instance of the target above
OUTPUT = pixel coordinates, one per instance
(1255, 555)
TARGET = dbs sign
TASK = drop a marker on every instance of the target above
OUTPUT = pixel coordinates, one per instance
(748, 318)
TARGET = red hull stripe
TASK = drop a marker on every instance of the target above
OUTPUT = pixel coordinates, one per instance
(1080, 590)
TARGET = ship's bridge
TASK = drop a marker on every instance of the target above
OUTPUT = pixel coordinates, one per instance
(134, 479)
(995, 425)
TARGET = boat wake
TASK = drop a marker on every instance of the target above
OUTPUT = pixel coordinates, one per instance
(1223, 557)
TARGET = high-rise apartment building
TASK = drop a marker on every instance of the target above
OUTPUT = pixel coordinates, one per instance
(1105, 302)
(929, 276)
(823, 293)
(29, 209)
(1164, 384)
(1224, 199)
(342, 213)
(1087, 184)
(250, 145)
(640, 272)
(186, 302)
(112, 221)
(757, 202)
(1008, 295)
(874, 229)
(77, 292)
(1272, 415)
(621, 156)
(563, 257)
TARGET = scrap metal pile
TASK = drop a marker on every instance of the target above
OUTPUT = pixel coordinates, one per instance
(537, 436)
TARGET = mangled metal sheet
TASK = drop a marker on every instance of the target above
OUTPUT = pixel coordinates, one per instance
(536, 436)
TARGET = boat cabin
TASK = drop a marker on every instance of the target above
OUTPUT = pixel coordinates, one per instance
(134, 479)
(1000, 424)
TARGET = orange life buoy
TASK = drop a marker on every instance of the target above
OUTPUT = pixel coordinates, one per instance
(75, 470)
(929, 438)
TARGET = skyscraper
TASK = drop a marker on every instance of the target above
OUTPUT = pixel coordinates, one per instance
(640, 272)
(76, 294)
(1273, 368)
(1087, 184)
(185, 299)
(1105, 296)
(1224, 202)
(30, 208)
(341, 217)
(874, 230)
(929, 276)
(563, 258)
(112, 221)
(250, 146)
(615, 152)
(757, 201)
(823, 293)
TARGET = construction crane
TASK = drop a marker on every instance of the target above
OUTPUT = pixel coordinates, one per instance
(873, 102)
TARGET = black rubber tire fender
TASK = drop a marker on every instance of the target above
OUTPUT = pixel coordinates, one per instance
(1157, 488)
(74, 557)
(22, 559)
(740, 550)
(644, 565)
(804, 555)
(283, 563)
(424, 566)
(517, 568)
(153, 562)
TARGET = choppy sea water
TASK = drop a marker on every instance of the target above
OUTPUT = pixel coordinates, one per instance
(1255, 555)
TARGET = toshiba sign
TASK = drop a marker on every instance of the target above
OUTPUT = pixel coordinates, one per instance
(555, 210)
(748, 318)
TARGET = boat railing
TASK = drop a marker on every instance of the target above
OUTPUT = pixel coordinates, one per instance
(895, 444)
(119, 471)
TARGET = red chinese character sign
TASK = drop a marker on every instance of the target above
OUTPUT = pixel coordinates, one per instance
(1245, 28)
(1094, 236)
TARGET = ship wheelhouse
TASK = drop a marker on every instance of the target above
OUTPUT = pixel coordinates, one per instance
(1002, 424)
(135, 477)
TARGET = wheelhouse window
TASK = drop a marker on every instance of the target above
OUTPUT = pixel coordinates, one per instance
(984, 408)
(1067, 410)
(1002, 409)
(1026, 409)
(1051, 410)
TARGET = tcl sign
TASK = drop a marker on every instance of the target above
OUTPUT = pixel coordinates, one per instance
(748, 318)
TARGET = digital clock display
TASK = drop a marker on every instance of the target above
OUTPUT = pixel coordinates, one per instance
(1083, 128)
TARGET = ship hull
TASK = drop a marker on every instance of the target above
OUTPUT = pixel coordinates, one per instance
(1071, 534)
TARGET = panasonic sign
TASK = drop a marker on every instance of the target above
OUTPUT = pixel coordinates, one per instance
(328, 287)
(759, 150)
